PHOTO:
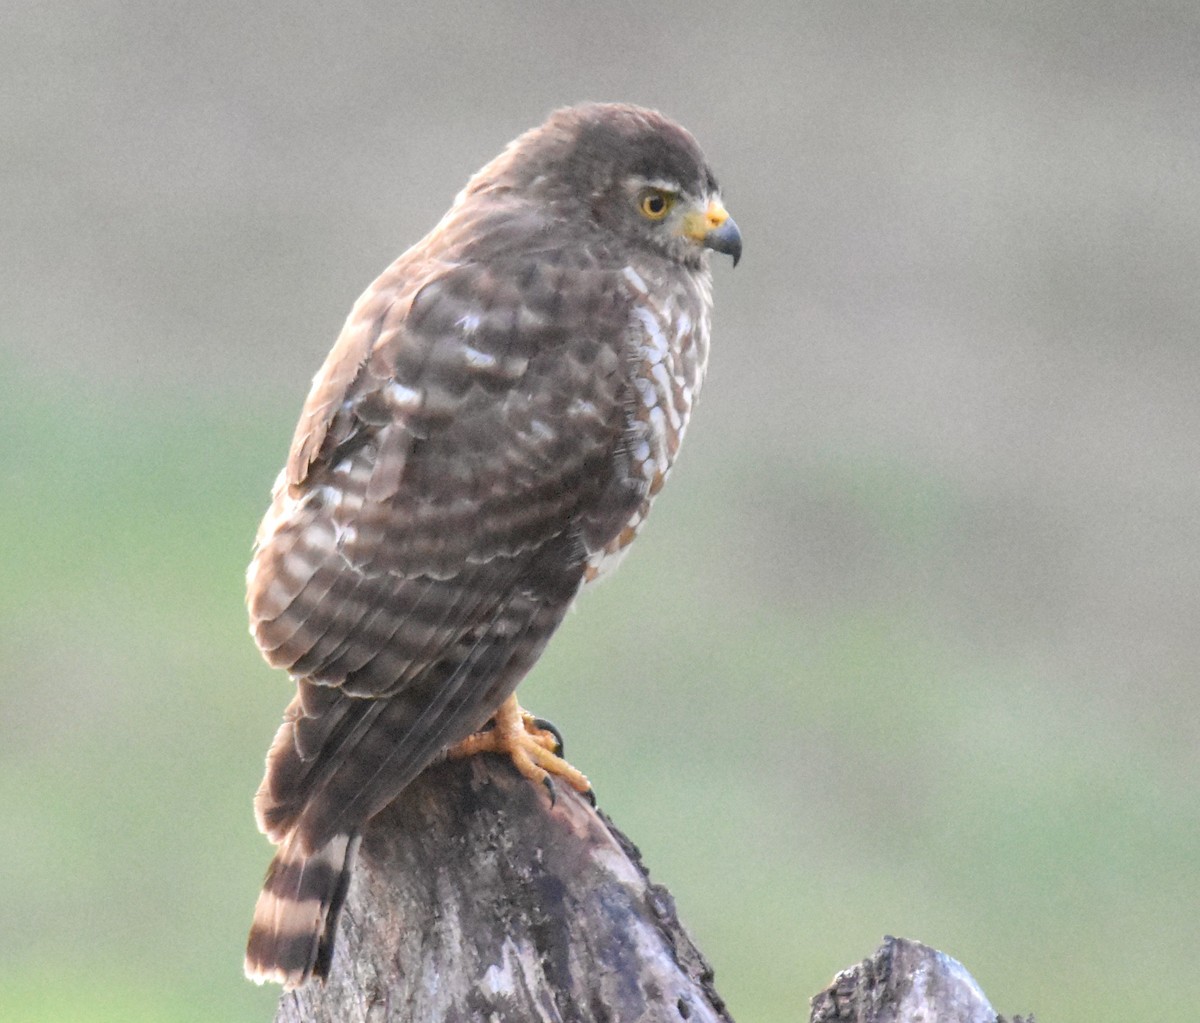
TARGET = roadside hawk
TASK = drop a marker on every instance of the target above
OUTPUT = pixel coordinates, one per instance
(487, 435)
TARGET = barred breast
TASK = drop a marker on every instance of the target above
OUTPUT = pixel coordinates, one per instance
(668, 356)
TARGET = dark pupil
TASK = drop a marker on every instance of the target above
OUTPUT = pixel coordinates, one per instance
(655, 204)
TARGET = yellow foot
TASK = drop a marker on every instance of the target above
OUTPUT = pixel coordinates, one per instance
(516, 734)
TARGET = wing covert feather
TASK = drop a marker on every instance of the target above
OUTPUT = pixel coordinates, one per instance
(464, 437)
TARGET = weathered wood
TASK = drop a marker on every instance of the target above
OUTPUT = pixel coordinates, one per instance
(905, 982)
(476, 899)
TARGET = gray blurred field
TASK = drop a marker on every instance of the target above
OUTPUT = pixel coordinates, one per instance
(910, 643)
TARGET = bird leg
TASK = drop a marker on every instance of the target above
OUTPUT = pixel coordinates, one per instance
(532, 749)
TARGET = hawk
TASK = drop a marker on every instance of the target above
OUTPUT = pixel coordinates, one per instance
(486, 436)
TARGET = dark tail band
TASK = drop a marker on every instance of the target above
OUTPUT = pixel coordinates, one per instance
(295, 919)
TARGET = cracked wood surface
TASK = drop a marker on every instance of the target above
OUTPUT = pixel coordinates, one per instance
(474, 898)
(906, 982)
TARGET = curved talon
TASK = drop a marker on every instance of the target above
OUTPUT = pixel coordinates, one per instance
(548, 726)
(533, 748)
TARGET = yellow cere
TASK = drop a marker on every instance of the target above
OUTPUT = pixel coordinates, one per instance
(697, 223)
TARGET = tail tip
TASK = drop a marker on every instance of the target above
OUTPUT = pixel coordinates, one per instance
(295, 919)
(263, 973)
(283, 952)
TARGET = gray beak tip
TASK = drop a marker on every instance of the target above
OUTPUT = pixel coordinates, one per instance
(726, 239)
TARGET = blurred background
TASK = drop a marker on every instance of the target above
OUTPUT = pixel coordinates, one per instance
(909, 645)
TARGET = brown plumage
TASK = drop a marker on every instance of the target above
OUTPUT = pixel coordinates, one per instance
(487, 433)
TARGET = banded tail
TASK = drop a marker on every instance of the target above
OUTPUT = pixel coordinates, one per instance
(295, 919)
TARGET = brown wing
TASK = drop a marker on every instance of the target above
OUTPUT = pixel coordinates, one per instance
(428, 533)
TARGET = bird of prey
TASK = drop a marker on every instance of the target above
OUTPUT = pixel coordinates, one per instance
(486, 436)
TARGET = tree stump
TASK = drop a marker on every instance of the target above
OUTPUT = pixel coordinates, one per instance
(475, 898)
(906, 982)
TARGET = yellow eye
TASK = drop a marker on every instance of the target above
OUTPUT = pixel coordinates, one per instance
(654, 203)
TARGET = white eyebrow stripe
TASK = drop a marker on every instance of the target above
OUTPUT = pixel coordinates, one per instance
(662, 184)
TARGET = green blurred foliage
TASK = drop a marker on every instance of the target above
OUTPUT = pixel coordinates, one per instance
(909, 644)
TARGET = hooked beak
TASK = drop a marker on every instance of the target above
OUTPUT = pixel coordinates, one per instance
(726, 238)
(716, 230)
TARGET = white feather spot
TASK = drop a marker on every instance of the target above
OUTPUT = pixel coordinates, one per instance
(658, 346)
(469, 322)
(401, 398)
(583, 407)
(665, 389)
(279, 594)
(530, 319)
(329, 496)
(476, 359)
(635, 278)
(660, 374)
(646, 392)
(658, 426)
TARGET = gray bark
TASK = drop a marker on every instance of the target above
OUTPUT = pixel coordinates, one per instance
(474, 898)
(905, 982)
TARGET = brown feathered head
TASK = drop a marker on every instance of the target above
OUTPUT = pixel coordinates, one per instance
(622, 169)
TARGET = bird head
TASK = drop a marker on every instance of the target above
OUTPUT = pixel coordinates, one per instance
(627, 170)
